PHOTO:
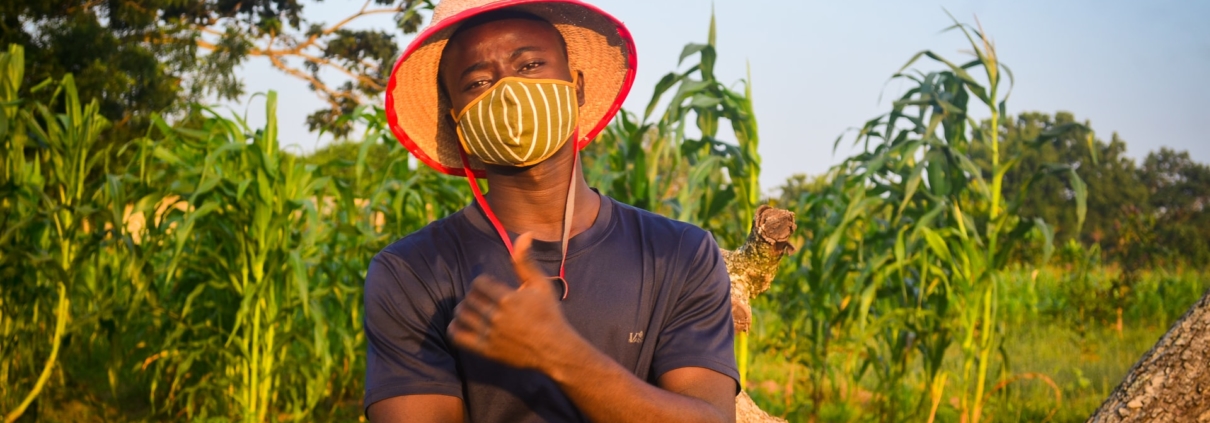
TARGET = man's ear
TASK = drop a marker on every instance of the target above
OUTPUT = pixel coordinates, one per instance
(580, 87)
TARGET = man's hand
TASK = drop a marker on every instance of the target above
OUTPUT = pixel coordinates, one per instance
(517, 327)
(525, 328)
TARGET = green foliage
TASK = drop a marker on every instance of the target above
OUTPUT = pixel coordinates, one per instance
(1049, 338)
(197, 272)
(137, 58)
(103, 45)
(53, 224)
(1112, 178)
(222, 275)
(267, 263)
(1179, 197)
(904, 251)
(655, 166)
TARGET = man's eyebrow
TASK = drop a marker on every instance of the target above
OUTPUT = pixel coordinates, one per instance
(484, 64)
(475, 67)
(522, 50)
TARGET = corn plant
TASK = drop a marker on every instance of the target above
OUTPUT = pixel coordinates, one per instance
(906, 246)
(654, 165)
(210, 275)
(268, 253)
(52, 223)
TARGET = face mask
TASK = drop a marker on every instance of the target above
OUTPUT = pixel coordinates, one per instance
(519, 121)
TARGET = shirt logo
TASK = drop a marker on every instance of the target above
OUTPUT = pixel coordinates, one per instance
(636, 337)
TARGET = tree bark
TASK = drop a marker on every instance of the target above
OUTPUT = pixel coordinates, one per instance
(746, 411)
(752, 267)
(1171, 383)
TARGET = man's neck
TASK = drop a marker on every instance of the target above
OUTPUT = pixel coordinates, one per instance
(532, 199)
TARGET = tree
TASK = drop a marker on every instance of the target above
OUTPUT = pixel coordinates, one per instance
(1111, 178)
(140, 57)
(1179, 195)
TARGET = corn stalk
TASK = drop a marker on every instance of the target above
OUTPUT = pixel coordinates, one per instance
(223, 275)
(61, 315)
(904, 245)
(654, 165)
(51, 224)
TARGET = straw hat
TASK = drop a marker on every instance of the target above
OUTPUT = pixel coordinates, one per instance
(598, 45)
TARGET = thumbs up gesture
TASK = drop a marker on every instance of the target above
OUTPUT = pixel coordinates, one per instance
(517, 327)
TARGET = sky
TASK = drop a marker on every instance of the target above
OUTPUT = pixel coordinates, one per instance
(1140, 69)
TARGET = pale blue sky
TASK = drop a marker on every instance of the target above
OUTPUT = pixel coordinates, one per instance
(1138, 68)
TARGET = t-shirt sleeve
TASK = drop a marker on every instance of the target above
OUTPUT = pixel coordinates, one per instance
(406, 351)
(699, 332)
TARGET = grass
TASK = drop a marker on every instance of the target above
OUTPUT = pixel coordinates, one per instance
(1046, 338)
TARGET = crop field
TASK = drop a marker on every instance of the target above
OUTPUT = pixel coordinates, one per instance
(199, 272)
(1058, 362)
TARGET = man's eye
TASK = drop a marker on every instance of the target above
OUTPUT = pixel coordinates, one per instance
(531, 66)
(477, 84)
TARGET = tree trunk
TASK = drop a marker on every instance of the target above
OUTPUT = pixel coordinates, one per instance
(752, 267)
(1171, 383)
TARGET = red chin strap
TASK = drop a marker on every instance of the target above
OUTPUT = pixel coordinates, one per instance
(568, 210)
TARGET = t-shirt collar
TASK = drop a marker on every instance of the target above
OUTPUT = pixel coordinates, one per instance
(549, 250)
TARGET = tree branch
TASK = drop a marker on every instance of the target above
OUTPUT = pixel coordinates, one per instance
(376, 84)
(336, 27)
(752, 267)
(315, 82)
(299, 49)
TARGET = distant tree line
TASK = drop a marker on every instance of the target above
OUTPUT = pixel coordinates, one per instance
(1139, 215)
(1147, 214)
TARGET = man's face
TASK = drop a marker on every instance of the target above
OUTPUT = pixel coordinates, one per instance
(478, 57)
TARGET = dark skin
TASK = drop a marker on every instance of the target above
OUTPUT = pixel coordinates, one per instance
(525, 327)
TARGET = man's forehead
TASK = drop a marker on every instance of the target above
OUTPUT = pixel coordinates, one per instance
(478, 31)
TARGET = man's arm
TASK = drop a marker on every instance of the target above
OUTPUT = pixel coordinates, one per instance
(411, 374)
(602, 390)
(525, 328)
(417, 408)
(605, 391)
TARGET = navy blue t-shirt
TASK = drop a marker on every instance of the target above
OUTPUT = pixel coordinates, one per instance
(648, 291)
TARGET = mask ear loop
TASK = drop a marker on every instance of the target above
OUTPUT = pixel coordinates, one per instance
(491, 216)
(568, 210)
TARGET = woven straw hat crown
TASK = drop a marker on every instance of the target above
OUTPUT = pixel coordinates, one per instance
(598, 46)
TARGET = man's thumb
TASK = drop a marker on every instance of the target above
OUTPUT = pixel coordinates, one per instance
(528, 272)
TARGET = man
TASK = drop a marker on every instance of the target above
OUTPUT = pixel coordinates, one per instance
(463, 321)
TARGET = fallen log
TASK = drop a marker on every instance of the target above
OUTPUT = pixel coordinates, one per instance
(752, 267)
(1171, 383)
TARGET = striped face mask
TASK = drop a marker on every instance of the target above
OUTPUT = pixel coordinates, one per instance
(519, 121)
